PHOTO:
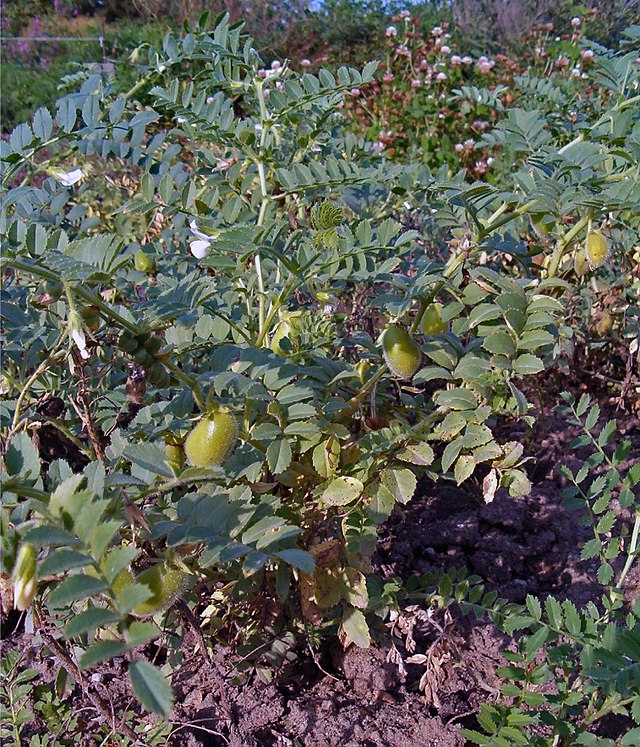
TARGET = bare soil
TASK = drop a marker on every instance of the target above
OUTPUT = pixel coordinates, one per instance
(362, 698)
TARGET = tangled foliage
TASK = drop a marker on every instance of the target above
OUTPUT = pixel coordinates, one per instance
(227, 360)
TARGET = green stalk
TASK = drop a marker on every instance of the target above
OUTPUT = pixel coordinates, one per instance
(491, 226)
(275, 307)
(63, 429)
(26, 491)
(30, 382)
(188, 381)
(562, 244)
(631, 553)
(264, 117)
(87, 295)
(424, 304)
(362, 394)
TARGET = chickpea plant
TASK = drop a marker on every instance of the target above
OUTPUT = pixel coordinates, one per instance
(220, 382)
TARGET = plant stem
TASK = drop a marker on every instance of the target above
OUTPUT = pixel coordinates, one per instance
(362, 394)
(562, 244)
(275, 307)
(26, 491)
(63, 429)
(264, 117)
(30, 382)
(88, 295)
(499, 222)
(188, 381)
(631, 553)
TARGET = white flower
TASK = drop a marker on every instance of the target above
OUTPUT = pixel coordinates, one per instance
(436, 31)
(575, 22)
(197, 232)
(405, 14)
(76, 332)
(466, 60)
(576, 72)
(391, 31)
(441, 76)
(587, 54)
(446, 50)
(69, 178)
(458, 147)
(416, 83)
(276, 65)
(305, 62)
(456, 60)
(200, 249)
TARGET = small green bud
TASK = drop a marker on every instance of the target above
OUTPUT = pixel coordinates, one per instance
(25, 582)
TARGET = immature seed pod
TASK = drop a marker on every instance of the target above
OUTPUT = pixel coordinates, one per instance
(362, 368)
(166, 583)
(212, 439)
(596, 248)
(580, 264)
(289, 327)
(25, 582)
(91, 317)
(602, 323)
(122, 581)
(159, 376)
(431, 322)
(128, 342)
(283, 330)
(401, 352)
(145, 262)
(154, 345)
(174, 455)
(143, 358)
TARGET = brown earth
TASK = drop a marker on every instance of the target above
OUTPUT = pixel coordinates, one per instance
(362, 698)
